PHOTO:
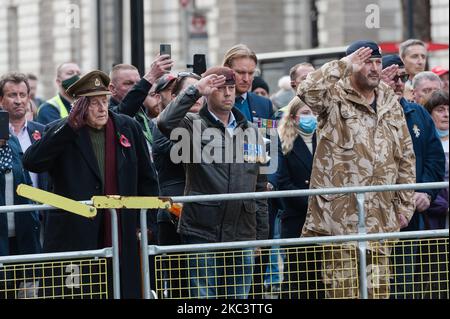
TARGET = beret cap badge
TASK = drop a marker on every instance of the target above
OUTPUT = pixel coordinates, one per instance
(94, 83)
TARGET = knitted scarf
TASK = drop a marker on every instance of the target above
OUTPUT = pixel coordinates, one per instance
(110, 187)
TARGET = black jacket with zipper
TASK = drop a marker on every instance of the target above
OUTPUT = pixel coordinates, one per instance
(216, 221)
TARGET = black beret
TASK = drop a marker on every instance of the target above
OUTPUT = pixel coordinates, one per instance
(376, 51)
(392, 59)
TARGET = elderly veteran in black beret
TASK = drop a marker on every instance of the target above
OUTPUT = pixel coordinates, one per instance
(95, 152)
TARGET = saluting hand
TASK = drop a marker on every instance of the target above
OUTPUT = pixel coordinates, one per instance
(210, 83)
(358, 58)
(78, 113)
(388, 75)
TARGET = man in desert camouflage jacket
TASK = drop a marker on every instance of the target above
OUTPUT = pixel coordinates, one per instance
(363, 141)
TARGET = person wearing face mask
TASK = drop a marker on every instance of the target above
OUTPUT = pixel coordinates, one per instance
(59, 106)
(295, 156)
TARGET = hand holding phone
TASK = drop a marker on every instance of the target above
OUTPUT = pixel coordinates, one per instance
(158, 68)
(165, 49)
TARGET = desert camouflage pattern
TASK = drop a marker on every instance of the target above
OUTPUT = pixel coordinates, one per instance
(339, 273)
(356, 147)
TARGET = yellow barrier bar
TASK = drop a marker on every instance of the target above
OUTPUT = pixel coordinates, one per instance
(57, 201)
(130, 202)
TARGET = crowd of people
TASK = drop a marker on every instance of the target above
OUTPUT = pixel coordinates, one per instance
(363, 120)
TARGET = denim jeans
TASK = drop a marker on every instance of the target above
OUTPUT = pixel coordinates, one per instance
(272, 275)
(219, 274)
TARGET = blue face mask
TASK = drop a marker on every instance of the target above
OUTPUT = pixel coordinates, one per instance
(307, 123)
(442, 133)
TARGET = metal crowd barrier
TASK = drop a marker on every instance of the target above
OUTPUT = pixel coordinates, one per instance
(69, 275)
(77, 274)
(315, 267)
(333, 267)
(336, 271)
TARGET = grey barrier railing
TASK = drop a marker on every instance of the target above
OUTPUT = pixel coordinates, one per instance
(362, 237)
(105, 252)
(111, 252)
(146, 250)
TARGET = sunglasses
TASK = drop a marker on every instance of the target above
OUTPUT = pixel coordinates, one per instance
(404, 78)
(181, 75)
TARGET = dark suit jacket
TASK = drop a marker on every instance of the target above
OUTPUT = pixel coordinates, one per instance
(430, 157)
(260, 106)
(26, 223)
(70, 160)
(170, 175)
(294, 172)
(43, 182)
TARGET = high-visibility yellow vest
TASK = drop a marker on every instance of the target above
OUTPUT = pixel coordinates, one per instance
(59, 105)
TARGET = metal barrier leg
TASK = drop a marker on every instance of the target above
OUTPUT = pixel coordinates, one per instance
(144, 254)
(115, 258)
(362, 247)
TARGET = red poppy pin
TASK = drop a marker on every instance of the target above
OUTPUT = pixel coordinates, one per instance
(124, 141)
(36, 135)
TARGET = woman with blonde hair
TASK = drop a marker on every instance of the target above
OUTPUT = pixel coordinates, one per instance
(297, 136)
(295, 157)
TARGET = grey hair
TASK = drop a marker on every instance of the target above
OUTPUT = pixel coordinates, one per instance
(425, 75)
(408, 43)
